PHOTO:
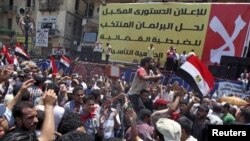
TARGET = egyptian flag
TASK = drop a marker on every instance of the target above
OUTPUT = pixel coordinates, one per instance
(65, 61)
(15, 61)
(21, 53)
(53, 65)
(7, 59)
(197, 75)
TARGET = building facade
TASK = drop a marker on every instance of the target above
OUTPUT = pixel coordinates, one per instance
(72, 25)
(61, 18)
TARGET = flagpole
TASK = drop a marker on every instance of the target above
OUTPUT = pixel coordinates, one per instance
(247, 40)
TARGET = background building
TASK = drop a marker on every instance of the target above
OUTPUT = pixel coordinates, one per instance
(63, 19)
(72, 25)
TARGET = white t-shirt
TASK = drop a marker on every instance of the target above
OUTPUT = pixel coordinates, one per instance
(150, 52)
(191, 138)
(58, 114)
(183, 58)
(108, 50)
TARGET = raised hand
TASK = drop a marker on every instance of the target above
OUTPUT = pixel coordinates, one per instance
(27, 84)
(104, 116)
(6, 72)
(49, 98)
(180, 91)
(131, 115)
(195, 99)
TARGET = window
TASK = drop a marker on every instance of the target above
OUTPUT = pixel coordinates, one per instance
(89, 10)
(10, 23)
(77, 5)
(89, 37)
(74, 27)
(47, 25)
(28, 4)
(11, 4)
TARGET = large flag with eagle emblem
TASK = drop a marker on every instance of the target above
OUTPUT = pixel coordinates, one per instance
(197, 75)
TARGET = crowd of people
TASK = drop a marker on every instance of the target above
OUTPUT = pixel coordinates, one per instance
(38, 106)
(174, 59)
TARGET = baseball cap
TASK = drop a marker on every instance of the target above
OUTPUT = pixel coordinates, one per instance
(160, 102)
(170, 129)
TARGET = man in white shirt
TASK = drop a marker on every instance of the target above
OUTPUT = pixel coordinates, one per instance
(151, 50)
(108, 52)
(183, 57)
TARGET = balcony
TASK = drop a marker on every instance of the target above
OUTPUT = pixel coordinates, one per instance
(48, 7)
(6, 31)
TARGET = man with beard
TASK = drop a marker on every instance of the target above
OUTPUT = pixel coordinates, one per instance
(145, 73)
(75, 105)
(200, 120)
(26, 120)
(25, 115)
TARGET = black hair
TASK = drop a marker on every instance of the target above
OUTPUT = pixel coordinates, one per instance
(106, 97)
(76, 89)
(227, 106)
(143, 90)
(19, 136)
(87, 98)
(145, 60)
(69, 122)
(26, 96)
(16, 88)
(96, 93)
(200, 96)
(144, 113)
(70, 115)
(63, 82)
(17, 110)
(51, 86)
(217, 108)
(70, 125)
(39, 80)
(245, 112)
(186, 124)
(75, 136)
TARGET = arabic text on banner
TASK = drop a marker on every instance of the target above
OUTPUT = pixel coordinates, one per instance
(131, 28)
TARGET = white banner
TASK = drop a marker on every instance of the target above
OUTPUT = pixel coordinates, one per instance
(58, 51)
(228, 88)
(42, 36)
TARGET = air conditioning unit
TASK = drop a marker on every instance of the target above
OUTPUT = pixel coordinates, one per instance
(84, 22)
